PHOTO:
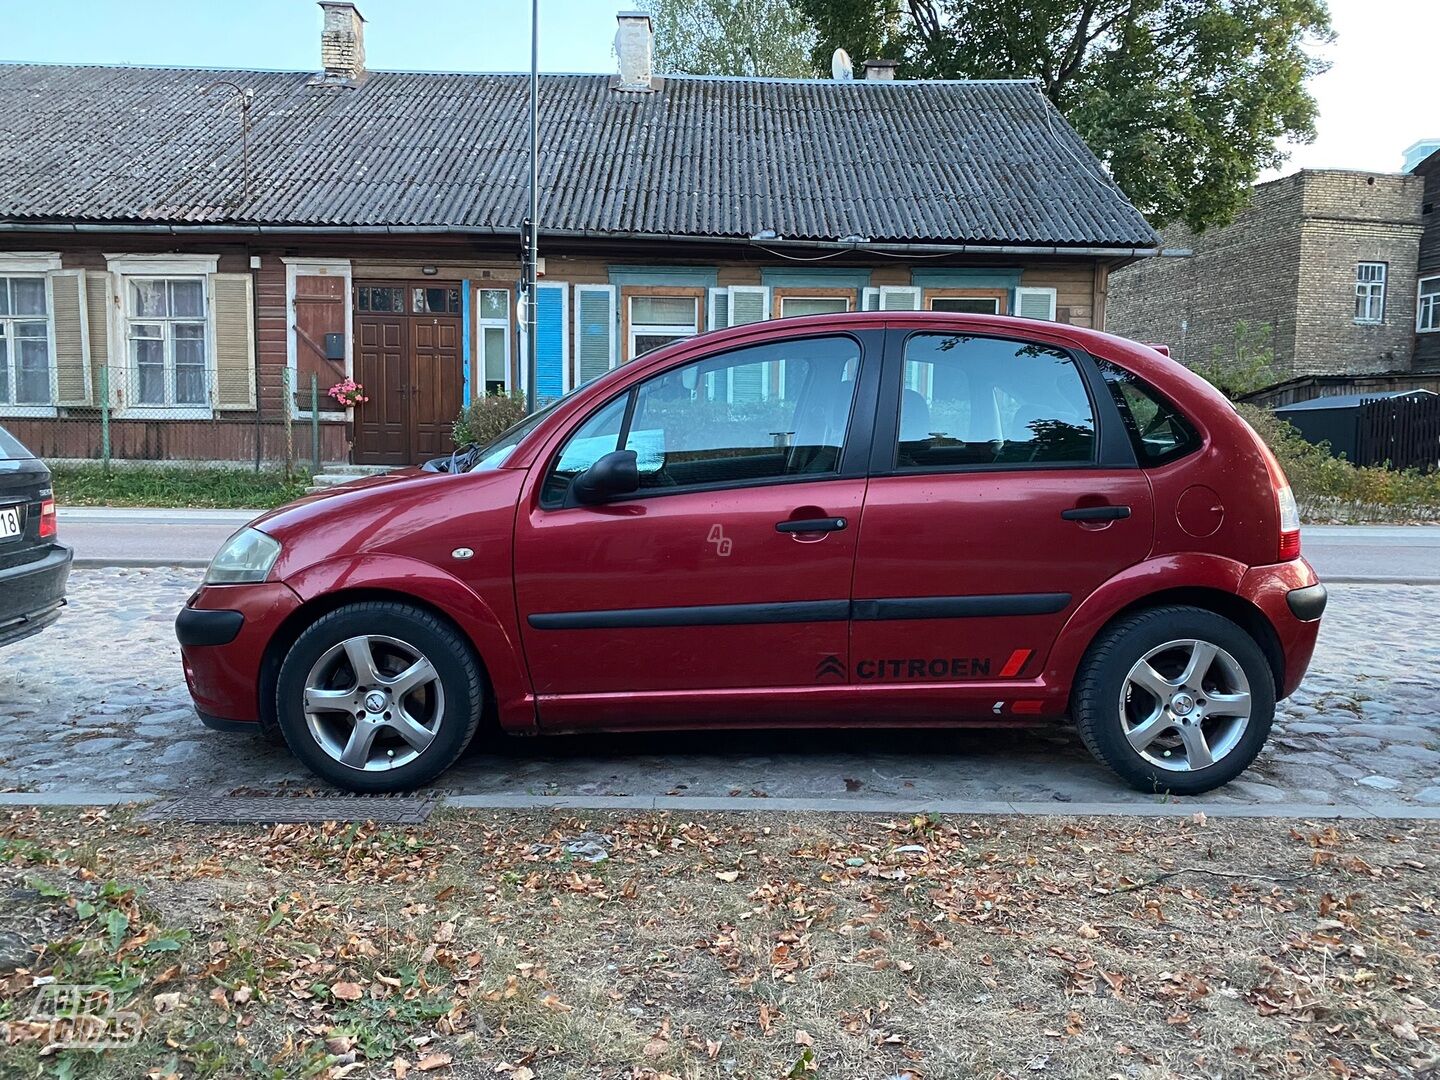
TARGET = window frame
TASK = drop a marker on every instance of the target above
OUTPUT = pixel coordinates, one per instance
(854, 450)
(1112, 444)
(1367, 289)
(1000, 296)
(479, 324)
(628, 329)
(1433, 306)
(170, 409)
(12, 358)
(780, 293)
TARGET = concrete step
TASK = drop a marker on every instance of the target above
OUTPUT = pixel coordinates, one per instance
(356, 470)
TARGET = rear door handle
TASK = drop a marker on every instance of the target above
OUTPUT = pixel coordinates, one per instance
(1095, 513)
(811, 525)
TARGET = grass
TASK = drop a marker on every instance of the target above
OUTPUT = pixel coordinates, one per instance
(732, 945)
(177, 485)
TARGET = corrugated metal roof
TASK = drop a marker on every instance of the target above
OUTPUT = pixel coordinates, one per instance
(948, 162)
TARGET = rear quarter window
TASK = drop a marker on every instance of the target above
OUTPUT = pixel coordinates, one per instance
(11, 448)
(1158, 430)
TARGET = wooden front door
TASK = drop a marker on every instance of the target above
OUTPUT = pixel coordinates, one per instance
(408, 358)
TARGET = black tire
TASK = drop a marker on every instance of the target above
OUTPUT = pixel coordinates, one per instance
(1096, 702)
(459, 678)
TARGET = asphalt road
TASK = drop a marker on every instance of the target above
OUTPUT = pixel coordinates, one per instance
(117, 536)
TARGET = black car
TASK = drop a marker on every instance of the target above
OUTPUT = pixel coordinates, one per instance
(33, 567)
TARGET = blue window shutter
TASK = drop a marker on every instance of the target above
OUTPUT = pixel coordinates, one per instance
(594, 330)
(551, 342)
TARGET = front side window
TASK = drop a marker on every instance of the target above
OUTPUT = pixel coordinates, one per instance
(1157, 429)
(166, 334)
(1427, 307)
(980, 401)
(24, 342)
(1370, 292)
(656, 320)
(689, 428)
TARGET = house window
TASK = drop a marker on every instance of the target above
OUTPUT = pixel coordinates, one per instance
(492, 318)
(659, 318)
(166, 332)
(967, 301)
(787, 303)
(1427, 307)
(24, 342)
(436, 301)
(1370, 292)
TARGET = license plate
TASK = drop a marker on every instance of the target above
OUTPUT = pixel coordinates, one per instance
(9, 522)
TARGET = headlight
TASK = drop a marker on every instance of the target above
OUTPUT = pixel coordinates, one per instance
(246, 557)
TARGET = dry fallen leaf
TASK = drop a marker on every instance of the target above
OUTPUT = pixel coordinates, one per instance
(803, 1038)
(728, 875)
(347, 991)
(434, 1061)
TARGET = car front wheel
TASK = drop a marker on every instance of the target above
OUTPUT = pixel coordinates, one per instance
(379, 696)
(1175, 699)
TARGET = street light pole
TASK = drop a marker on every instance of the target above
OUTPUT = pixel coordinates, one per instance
(531, 228)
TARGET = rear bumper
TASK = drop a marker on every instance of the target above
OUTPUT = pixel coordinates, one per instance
(223, 632)
(32, 594)
(1291, 597)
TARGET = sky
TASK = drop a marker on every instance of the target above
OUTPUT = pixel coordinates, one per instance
(1374, 101)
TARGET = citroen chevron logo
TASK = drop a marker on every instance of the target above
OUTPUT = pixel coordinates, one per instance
(830, 667)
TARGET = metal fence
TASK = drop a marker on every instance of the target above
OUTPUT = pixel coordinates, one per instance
(175, 414)
(1400, 432)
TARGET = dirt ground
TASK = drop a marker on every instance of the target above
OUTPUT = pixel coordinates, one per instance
(746, 945)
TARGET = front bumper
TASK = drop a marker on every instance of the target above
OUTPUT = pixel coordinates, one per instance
(32, 594)
(223, 632)
(1291, 597)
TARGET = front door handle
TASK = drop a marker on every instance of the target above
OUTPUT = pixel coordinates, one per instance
(1095, 513)
(811, 525)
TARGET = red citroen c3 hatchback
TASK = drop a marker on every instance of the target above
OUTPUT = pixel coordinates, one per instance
(855, 520)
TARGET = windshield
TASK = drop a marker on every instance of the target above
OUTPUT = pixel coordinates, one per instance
(493, 454)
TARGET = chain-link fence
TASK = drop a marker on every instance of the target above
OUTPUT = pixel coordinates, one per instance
(174, 413)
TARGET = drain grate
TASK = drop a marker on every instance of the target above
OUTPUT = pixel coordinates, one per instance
(249, 809)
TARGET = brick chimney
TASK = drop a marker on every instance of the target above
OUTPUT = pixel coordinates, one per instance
(635, 46)
(342, 41)
(880, 70)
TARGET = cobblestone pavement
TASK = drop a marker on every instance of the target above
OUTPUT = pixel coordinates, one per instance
(97, 703)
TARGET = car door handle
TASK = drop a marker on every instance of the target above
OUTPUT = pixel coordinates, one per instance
(1095, 513)
(811, 525)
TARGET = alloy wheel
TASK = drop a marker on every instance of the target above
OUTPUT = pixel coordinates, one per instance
(373, 702)
(1185, 705)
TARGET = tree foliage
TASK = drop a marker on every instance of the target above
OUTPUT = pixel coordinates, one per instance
(732, 37)
(1184, 100)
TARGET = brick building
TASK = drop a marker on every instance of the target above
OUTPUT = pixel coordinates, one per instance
(1326, 259)
(1427, 302)
(193, 265)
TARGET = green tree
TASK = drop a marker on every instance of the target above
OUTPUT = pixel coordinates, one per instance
(731, 37)
(1184, 100)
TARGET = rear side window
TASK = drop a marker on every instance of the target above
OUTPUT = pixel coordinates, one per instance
(11, 449)
(1158, 430)
(978, 401)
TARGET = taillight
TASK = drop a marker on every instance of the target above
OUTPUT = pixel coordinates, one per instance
(1289, 523)
(47, 519)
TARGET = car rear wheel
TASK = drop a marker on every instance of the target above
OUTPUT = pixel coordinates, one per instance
(379, 696)
(1175, 699)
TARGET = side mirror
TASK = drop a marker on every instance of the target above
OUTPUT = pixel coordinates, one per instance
(615, 473)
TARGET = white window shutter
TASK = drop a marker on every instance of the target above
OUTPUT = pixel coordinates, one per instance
(69, 309)
(234, 349)
(1035, 303)
(718, 317)
(899, 298)
(595, 332)
(870, 299)
(749, 304)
